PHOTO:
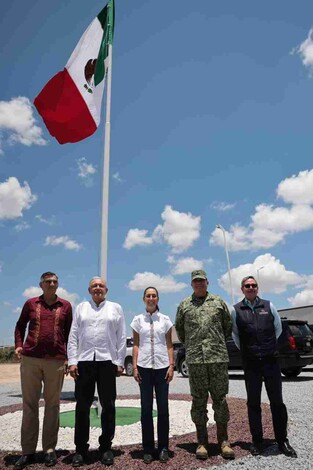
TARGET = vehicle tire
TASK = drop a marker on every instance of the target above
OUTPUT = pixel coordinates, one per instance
(129, 367)
(291, 372)
(183, 368)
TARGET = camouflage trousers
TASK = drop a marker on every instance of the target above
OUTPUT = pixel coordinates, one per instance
(205, 379)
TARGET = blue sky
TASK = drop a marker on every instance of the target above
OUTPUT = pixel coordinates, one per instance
(211, 124)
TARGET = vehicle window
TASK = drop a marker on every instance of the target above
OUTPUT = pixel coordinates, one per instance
(129, 342)
(300, 330)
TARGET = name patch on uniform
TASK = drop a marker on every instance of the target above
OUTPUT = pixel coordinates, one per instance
(263, 312)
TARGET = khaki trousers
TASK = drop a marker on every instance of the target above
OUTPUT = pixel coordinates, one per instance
(34, 373)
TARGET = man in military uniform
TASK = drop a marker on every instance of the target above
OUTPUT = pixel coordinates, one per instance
(203, 323)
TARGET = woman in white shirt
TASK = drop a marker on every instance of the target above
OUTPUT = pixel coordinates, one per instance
(153, 364)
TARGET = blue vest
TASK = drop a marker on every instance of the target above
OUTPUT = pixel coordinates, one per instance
(256, 330)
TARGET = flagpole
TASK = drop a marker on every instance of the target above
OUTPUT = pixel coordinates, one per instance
(106, 175)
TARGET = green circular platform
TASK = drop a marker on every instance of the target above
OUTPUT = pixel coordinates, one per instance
(124, 417)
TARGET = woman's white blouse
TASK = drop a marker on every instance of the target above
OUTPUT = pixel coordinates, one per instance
(152, 342)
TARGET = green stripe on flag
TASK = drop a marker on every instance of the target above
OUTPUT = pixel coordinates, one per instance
(106, 18)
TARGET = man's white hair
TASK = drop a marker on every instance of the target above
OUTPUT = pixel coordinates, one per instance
(97, 277)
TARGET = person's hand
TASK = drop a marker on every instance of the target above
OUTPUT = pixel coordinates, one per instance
(74, 371)
(66, 369)
(169, 374)
(18, 352)
(119, 371)
(136, 375)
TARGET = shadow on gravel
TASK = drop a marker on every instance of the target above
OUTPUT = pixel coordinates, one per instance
(137, 454)
(11, 459)
(268, 444)
(64, 458)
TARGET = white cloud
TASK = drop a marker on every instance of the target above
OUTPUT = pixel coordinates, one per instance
(281, 221)
(85, 171)
(32, 292)
(298, 189)
(273, 277)
(50, 221)
(309, 282)
(22, 226)
(14, 198)
(180, 230)
(271, 225)
(17, 120)
(305, 50)
(17, 310)
(63, 240)
(184, 265)
(222, 206)
(136, 237)
(164, 284)
(238, 238)
(116, 177)
(71, 297)
(302, 298)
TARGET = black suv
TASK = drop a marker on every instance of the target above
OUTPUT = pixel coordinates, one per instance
(295, 346)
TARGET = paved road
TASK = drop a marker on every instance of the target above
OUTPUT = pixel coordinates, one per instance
(11, 393)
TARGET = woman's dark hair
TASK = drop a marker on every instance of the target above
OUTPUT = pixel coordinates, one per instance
(157, 293)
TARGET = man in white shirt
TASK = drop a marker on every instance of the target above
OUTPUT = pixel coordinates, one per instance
(96, 354)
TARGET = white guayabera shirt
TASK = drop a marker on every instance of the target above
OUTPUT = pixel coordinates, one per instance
(97, 333)
(152, 342)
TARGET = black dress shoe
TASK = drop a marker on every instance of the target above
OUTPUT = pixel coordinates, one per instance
(163, 456)
(256, 448)
(24, 461)
(78, 460)
(107, 458)
(286, 449)
(50, 459)
(147, 458)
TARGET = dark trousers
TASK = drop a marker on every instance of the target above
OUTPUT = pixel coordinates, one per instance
(102, 373)
(154, 379)
(266, 369)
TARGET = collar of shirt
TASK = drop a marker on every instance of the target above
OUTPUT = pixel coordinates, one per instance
(251, 304)
(58, 300)
(200, 300)
(154, 315)
(94, 305)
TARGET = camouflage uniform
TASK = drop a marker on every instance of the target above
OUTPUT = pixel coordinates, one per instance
(202, 325)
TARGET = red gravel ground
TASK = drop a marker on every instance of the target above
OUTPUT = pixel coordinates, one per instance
(182, 448)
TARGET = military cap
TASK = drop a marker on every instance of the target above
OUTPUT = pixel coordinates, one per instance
(198, 274)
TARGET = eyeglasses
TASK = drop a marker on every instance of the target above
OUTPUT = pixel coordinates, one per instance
(154, 296)
(247, 286)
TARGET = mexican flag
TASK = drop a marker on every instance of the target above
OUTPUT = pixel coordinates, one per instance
(70, 103)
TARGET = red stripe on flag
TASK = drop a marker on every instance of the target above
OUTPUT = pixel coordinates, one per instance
(64, 110)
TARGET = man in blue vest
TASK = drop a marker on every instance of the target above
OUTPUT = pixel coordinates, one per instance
(256, 328)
